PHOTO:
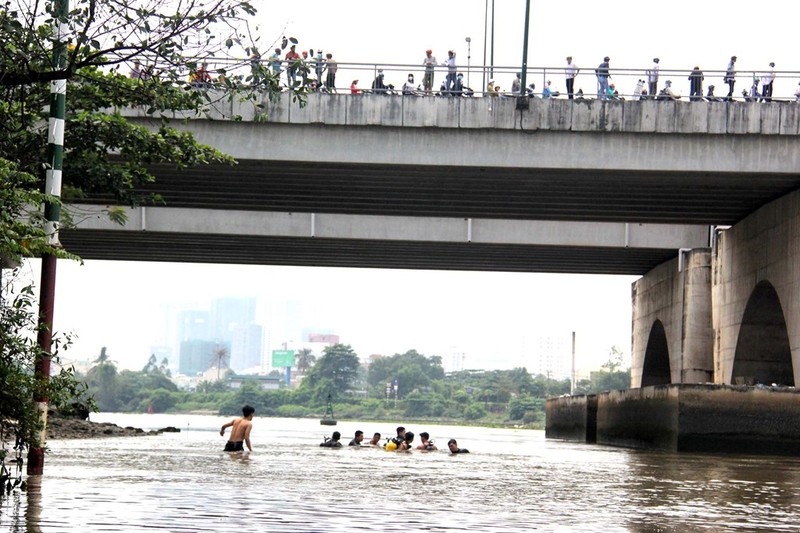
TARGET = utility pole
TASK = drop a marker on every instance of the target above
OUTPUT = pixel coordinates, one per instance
(52, 212)
(572, 381)
(469, 55)
(485, 39)
(523, 85)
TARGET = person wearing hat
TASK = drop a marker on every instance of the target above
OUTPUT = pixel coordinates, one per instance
(490, 89)
(766, 83)
(652, 77)
(602, 74)
(430, 64)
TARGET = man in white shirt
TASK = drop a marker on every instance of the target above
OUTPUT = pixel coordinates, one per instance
(652, 78)
(571, 72)
(766, 83)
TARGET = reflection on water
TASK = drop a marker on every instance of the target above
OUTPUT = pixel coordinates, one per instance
(514, 480)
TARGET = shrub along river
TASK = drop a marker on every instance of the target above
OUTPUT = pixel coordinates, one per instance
(513, 480)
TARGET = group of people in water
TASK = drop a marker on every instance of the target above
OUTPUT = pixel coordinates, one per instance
(402, 442)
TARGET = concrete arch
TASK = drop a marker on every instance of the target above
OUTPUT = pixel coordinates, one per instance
(763, 354)
(655, 370)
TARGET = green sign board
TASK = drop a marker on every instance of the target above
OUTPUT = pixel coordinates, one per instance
(282, 358)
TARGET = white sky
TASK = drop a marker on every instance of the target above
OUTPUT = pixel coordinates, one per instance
(486, 315)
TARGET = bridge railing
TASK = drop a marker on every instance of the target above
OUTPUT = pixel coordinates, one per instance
(625, 80)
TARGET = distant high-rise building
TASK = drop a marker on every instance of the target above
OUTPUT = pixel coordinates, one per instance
(198, 355)
(246, 347)
(323, 338)
(230, 324)
(454, 360)
(194, 325)
(552, 356)
(229, 314)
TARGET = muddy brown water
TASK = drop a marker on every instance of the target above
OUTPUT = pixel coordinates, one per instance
(514, 480)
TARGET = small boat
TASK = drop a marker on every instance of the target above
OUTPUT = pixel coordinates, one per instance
(328, 419)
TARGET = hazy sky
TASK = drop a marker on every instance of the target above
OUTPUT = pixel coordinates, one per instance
(489, 316)
(486, 315)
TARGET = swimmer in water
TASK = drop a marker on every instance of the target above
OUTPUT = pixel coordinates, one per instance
(240, 431)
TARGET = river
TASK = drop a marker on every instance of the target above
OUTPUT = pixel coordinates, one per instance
(513, 480)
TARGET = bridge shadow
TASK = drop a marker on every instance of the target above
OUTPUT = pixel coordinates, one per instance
(763, 354)
(655, 370)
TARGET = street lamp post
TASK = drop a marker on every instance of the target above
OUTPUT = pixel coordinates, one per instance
(523, 86)
(469, 55)
(485, 40)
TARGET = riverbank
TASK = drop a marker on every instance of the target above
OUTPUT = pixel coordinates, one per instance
(64, 427)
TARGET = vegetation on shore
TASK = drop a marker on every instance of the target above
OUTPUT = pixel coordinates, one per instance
(424, 392)
(136, 54)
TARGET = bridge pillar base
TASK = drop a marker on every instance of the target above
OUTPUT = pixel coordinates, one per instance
(701, 418)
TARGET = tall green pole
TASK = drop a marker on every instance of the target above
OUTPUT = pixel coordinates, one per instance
(523, 85)
(52, 212)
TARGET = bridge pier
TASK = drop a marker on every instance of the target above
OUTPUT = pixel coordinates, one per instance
(727, 315)
(715, 349)
(672, 338)
(687, 418)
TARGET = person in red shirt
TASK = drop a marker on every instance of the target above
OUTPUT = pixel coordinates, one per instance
(354, 88)
(291, 68)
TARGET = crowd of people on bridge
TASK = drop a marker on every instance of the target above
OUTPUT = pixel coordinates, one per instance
(317, 71)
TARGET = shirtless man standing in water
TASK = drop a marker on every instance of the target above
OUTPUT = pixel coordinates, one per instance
(240, 431)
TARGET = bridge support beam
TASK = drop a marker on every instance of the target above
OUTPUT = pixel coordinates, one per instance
(756, 295)
(672, 339)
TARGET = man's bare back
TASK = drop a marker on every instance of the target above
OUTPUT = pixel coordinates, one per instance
(240, 431)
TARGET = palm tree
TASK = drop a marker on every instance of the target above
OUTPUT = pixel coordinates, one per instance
(103, 358)
(304, 360)
(220, 357)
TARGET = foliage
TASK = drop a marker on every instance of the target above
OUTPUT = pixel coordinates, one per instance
(22, 235)
(412, 371)
(519, 406)
(612, 377)
(129, 390)
(333, 374)
(20, 424)
(22, 232)
(304, 359)
(164, 35)
(107, 156)
(487, 397)
(220, 358)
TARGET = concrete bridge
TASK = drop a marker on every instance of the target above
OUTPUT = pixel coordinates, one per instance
(645, 188)
(466, 183)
